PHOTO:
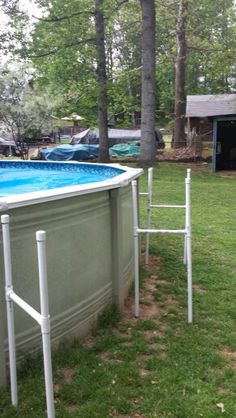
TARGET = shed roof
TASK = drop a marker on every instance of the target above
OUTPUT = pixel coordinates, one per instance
(211, 105)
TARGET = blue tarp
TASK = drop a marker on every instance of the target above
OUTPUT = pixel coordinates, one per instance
(125, 150)
(70, 152)
(83, 152)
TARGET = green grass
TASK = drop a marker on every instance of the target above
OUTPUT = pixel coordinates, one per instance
(158, 367)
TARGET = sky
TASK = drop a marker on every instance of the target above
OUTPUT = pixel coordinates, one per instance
(27, 5)
(30, 7)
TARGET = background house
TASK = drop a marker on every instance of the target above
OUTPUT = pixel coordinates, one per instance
(213, 118)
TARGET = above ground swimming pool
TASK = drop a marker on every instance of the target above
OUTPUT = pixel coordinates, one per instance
(89, 243)
(25, 177)
(22, 182)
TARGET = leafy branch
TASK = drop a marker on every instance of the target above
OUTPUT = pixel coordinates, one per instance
(57, 19)
(57, 49)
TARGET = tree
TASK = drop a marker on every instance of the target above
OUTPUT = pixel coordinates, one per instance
(124, 71)
(24, 111)
(148, 142)
(13, 24)
(180, 96)
(79, 46)
(211, 42)
(102, 82)
(63, 51)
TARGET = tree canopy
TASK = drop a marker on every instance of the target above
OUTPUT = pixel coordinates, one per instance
(62, 49)
(25, 111)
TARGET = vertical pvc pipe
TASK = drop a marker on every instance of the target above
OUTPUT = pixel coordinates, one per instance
(136, 247)
(45, 327)
(189, 250)
(10, 309)
(185, 237)
(149, 202)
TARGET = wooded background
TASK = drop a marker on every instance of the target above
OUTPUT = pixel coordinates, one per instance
(194, 49)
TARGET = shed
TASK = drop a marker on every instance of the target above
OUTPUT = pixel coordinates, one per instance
(213, 118)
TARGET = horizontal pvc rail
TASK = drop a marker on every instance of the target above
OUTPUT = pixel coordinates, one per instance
(42, 319)
(161, 231)
(168, 206)
(186, 232)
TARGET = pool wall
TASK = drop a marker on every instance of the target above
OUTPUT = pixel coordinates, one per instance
(89, 263)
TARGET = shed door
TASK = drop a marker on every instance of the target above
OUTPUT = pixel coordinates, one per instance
(226, 145)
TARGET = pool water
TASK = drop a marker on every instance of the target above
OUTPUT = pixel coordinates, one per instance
(26, 177)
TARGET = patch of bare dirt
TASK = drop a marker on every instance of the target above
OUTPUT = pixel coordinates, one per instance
(199, 289)
(177, 332)
(161, 352)
(90, 341)
(150, 334)
(142, 358)
(163, 282)
(163, 327)
(67, 375)
(71, 408)
(149, 311)
(153, 310)
(146, 298)
(230, 356)
(154, 263)
(107, 359)
(170, 304)
(157, 346)
(163, 355)
(124, 334)
(128, 310)
(226, 173)
(150, 286)
(144, 372)
(149, 307)
(222, 390)
(56, 387)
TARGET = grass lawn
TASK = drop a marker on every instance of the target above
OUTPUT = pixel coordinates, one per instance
(158, 366)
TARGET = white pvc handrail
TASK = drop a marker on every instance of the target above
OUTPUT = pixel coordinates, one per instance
(43, 318)
(186, 232)
(150, 206)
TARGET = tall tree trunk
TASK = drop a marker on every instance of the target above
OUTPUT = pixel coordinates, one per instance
(102, 82)
(180, 97)
(131, 96)
(148, 141)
